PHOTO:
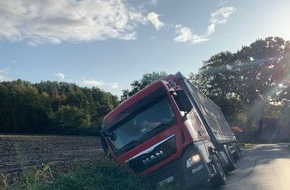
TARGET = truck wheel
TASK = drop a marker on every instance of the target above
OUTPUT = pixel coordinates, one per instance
(232, 163)
(220, 178)
(237, 153)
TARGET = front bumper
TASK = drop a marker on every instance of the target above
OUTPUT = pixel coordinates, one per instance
(178, 174)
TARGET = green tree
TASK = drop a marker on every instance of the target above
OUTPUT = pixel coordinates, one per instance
(216, 79)
(262, 74)
(69, 119)
(52, 107)
(104, 103)
(249, 79)
(137, 85)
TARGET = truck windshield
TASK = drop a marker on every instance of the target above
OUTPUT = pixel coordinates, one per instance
(142, 124)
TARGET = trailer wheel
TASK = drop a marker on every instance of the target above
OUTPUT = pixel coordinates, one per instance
(232, 163)
(220, 178)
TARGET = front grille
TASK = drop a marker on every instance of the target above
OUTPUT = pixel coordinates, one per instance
(153, 155)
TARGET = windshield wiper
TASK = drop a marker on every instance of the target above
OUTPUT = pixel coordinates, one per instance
(130, 145)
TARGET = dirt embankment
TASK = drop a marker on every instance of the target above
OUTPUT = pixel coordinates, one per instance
(21, 151)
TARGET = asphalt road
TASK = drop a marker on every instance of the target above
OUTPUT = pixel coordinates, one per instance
(264, 167)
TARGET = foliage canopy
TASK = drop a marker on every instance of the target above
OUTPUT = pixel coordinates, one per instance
(248, 81)
(52, 108)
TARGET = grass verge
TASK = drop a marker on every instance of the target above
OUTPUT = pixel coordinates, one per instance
(102, 175)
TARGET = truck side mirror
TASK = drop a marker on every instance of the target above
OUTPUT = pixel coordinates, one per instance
(182, 101)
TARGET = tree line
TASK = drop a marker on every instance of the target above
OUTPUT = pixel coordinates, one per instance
(52, 108)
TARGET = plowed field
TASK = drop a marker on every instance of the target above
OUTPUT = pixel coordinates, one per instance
(18, 152)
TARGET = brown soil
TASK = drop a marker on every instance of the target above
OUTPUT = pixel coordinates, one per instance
(18, 152)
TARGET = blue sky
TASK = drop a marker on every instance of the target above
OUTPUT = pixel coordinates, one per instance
(111, 43)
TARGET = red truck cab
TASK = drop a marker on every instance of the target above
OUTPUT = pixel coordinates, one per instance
(158, 132)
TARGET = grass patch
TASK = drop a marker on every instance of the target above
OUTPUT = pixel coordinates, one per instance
(246, 145)
(102, 175)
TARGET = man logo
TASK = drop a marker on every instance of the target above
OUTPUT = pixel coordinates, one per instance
(153, 157)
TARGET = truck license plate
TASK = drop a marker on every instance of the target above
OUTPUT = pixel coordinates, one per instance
(167, 180)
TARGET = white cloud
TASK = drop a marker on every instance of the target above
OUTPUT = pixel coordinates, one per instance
(3, 78)
(153, 2)
(46, 21)
(153, 18)
(93, 83)
(3, 73)
(113, 85)
(222, 3)
(185, 34)
(60, 75)
(218, 17)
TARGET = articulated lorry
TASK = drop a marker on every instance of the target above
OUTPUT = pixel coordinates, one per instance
(172, 133)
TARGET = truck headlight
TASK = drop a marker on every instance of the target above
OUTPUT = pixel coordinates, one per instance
(192, 160)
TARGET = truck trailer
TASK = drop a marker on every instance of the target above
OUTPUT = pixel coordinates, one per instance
(172, 133)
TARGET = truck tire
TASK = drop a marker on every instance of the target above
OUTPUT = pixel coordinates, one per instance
(220, 178)
(232, 163)
(237, 153)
